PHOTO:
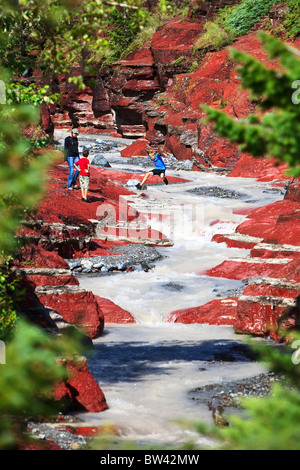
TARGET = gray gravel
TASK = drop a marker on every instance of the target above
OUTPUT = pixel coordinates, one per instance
(227, 396)
(214, 191)
(54, 431)
(132, 257)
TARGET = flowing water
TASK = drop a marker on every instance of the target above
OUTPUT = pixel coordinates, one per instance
(147, 369)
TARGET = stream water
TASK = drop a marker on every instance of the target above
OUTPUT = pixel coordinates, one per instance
(147, 369)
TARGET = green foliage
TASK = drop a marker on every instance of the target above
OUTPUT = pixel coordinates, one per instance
(248, 13)
(292, 20)
(270, 423)
(122, 28)
(273, 423)
(231, 22)
(10, 293)
(127, 31)
(180, 7)
(55, 35)
(28, 377)
(275, 131)
(23, 92)
(22, 179)
(214, 37)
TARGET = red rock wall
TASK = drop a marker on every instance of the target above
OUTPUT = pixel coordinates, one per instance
(119, 99)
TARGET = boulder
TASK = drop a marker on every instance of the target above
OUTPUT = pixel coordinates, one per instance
(76, 306)
(258, 316)
(263, 169)
(245, 269)
(216, 312)
(113, 313)
(80, 391)
(100, 160)
(137, 148)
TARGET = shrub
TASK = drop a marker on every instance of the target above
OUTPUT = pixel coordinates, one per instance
(27, 379)
(247, 14)
(9, 294)
(292, 20)
(214, 37)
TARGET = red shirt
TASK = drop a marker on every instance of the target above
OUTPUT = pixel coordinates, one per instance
(83, 164)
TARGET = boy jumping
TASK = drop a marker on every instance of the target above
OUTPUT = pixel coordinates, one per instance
(159, 170)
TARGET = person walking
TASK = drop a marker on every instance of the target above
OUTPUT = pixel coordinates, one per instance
(72, 155)
(83, 165)
(159, 170)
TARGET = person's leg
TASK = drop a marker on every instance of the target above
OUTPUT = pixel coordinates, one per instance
(81, 186)
(163, 177)
(146, 177)
(76, 174)
(139, 185)
(87, 188)
(84, 183)
(71, 170)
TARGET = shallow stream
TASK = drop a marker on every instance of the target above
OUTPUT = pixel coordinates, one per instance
(146, 370)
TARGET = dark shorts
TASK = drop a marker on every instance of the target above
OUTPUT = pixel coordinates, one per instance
(158, 172)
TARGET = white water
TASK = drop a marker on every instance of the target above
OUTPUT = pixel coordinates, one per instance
(147, 369)
(147, 372)
(146, 295)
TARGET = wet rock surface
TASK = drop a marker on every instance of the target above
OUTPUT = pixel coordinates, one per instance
(125, 257)
(58, 433)
(215, 191)
(229, 394)
(173, 286)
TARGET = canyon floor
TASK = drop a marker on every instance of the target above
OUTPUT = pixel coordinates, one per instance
(151, 363)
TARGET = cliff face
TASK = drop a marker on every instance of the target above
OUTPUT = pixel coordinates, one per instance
(123, 91)
(153, 94)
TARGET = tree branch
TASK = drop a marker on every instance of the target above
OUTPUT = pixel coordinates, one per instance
(122, 5)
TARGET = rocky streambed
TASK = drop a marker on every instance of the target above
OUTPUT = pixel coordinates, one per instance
(74, 434)
(185, 283)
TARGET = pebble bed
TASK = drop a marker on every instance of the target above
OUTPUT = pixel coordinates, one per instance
(55, 432)
(227, 396)
(132, 257)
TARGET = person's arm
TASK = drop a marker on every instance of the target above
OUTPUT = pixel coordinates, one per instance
(66, 147)
(139, 156)
(76, 167)
(143, 156)
(67, 143)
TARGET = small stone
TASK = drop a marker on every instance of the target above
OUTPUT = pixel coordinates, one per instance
(74, 446)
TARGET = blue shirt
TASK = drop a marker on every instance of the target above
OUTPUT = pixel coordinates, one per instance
(159, 164)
